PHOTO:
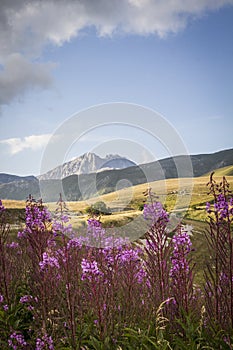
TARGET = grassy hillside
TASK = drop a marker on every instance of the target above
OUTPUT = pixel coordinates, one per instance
(225, 171)
(177, 195)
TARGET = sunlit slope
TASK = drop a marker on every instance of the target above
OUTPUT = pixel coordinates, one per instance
(226, 171)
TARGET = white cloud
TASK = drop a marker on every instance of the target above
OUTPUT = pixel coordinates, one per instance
(27, 26)
(32, 142)
(20, 75)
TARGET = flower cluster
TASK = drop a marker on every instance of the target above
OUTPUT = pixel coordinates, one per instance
(25, 299)
(37, 218)
(5, 307)
(154, 212)
(181, 272)
(46, 342)
(90, 270)
(222, 207)
(181, 247)
(129, 255)
(74, 243)
(17, 341)
(140, 274)
(96, 234)
(48, 261)
(13, 245)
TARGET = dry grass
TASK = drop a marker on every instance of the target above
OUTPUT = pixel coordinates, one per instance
(13, 204)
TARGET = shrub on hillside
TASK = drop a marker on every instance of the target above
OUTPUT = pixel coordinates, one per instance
(98, 208)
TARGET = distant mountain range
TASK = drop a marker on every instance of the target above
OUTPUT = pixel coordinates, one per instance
(90, 175)
(18, 187)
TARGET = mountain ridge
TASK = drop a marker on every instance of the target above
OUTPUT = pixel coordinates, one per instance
(83, 186)
(6, 178)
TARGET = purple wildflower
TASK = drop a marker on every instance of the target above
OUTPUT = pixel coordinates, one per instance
(96, 234)
(17, 341)
(140, 275)
(48, 261)
(89, 269)
(30, 307)
(74, 243)
(154, 212)
(5, 307)
(181, 272)
(21, 234)
(44, 343)
(128, 255)
(25, 299)
(13, 245)
(37, 217)
(181, 247)
(222, 207)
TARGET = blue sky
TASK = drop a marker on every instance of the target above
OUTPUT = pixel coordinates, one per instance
(61, 57)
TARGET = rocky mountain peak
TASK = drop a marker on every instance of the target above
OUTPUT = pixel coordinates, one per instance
(87, 163)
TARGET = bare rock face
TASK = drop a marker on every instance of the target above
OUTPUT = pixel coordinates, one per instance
(86, 164)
